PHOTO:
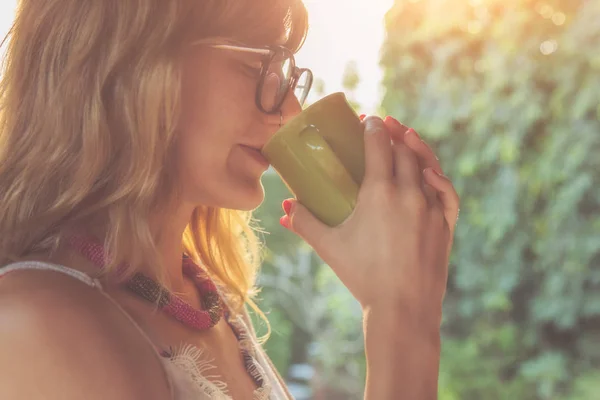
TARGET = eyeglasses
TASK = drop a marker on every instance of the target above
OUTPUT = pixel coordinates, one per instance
(278, 76)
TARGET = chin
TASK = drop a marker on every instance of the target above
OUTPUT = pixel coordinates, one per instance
(245, 197)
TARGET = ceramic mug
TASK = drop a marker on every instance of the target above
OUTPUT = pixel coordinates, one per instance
(320, 156)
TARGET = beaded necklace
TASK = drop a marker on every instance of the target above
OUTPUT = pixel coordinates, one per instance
(153, 292)
(213, 306)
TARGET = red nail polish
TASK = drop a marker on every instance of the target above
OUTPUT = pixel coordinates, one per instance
(285, 221)
(287, 206)
(362, 116)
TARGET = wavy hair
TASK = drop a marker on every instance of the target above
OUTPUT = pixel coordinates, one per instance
(89, 104)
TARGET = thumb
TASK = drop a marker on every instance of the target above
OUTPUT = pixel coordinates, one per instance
(379, 156)
(303, 223)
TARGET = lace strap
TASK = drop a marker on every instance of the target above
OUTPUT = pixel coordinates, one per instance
(43, 266)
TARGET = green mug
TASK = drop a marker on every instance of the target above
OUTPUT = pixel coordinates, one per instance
(320, 156)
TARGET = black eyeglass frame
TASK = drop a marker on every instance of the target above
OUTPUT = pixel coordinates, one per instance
(269, 53)
(292, 82)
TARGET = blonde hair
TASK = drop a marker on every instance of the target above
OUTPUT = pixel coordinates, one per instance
(89, 102)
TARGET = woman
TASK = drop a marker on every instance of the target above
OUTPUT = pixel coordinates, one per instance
(130, 135)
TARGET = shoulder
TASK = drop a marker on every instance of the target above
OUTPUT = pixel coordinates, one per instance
(62, 338)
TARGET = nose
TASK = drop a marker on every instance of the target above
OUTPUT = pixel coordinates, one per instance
(289, 109)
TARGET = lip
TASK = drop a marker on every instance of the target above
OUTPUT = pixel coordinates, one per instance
(256, 154)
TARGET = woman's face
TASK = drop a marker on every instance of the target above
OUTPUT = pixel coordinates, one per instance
(221, 129)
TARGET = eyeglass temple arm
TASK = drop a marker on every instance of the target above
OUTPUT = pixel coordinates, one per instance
(264, 52)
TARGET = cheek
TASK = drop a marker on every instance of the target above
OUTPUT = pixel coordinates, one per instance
(197, 165)
(206, 149)
(218, 111)
(201, 147)
(217, 115)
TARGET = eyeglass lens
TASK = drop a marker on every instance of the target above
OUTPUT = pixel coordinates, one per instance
(277, 82)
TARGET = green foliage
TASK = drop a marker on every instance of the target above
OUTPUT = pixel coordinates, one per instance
(508, 94)
(350, 82)
(351, 78)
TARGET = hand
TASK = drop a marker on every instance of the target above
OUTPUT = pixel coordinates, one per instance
(392, 251)
(427, 159)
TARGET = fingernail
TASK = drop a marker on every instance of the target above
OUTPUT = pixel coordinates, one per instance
(373, 126)
(392, 120)
(435, 171)
(287, 206)
(285, 221)
(362, 116)
(411, 131)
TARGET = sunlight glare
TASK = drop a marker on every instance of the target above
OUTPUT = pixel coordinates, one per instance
(342, 31)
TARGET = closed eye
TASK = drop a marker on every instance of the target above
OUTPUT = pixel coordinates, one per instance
(252, 71)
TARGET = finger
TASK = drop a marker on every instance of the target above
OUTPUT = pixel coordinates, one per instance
(362, 116)
(302, 222)
(431, 193)
(406, 166)
(447, 194)
(427, 157)
(379, 159)
(398, 133)
(397, 129)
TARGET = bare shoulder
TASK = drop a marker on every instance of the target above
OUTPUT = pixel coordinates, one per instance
(61, 339)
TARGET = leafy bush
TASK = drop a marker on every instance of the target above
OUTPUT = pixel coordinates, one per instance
(508, 93)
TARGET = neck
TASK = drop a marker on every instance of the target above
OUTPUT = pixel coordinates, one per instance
(170, 249)
(168, 232)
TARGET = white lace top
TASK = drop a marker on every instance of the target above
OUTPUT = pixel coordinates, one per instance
(187, 370)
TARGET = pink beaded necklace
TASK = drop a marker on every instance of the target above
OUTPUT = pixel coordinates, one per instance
(151, 291)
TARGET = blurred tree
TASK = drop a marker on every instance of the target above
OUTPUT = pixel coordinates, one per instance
(350, 82)
(508, 94)
(351, 78)
(318, 87)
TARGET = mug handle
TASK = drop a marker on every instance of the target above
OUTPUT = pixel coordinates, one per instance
(330, 165)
